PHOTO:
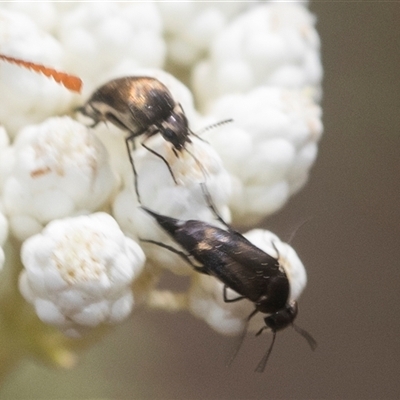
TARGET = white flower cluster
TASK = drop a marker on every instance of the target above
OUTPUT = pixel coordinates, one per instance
(192, 26)
(104, 37)
(264, 70)
(275, 136)
(78, 273)
(255, 63)
(60, 169)
(272, 45)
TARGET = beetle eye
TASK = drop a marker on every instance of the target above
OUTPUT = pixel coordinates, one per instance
(168, 134)
(172, 136)
(282, 318)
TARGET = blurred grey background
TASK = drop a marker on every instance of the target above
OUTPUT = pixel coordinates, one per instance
(350, 247)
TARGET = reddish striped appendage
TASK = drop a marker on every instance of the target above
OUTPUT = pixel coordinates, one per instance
(71, 82)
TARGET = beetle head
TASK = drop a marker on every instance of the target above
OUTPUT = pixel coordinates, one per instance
(282, 318)
(175, 129)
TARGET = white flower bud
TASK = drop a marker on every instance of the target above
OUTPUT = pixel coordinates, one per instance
(61, 169)
(78, 273)
(31, 97)
(287, 256)
(43, 14)
(270, 44)
(191, 27)
(268, 149)
(100, 36)
(206, 302)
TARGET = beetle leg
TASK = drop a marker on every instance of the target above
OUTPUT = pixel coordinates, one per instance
(310, 340)
(226, 300)
(242, 336)
(162, 158)
(127, 141)
(180, 253)
(278, 256)
(263, 362)
(212, 207)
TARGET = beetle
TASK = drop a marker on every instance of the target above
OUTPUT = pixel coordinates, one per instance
(240, 265)
(141, 105)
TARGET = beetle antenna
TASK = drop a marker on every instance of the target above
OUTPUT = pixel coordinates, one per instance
(293, 234)
(241, 338)
(163, 159)
(212, 126)
(263, 362)
(278, 256)
(310, 340)
(212, 207)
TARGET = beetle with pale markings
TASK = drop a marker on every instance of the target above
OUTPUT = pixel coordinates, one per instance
(239, 265)
(141, 105)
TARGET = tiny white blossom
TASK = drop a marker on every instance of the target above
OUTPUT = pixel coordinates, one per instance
(287, 256)
(43, 14)
(268, 149)
(61, 169)
(28, 97)
(78, 273)
(206, 292)
(98, 37)
(4, 139)
(270, 44)
(191, 26)
(198, 163)
(207, 303)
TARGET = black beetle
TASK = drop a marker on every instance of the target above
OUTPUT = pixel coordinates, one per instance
(142, 106)
(240, 266)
